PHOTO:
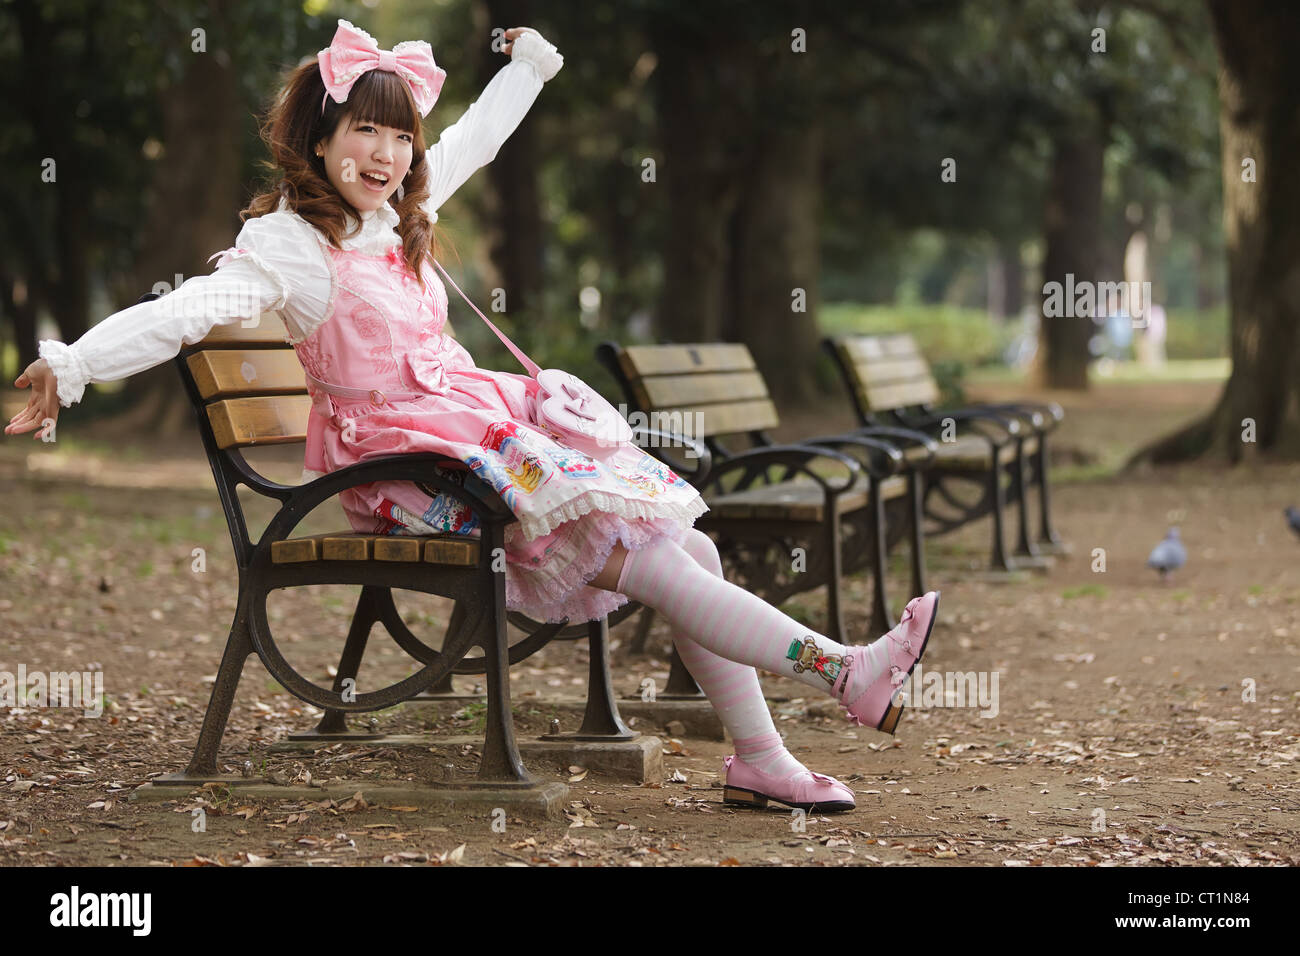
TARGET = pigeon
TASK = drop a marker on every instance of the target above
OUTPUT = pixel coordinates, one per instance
(1293, 519)
(1169, 555)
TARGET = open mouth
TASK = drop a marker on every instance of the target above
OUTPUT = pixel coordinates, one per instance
(373, 182)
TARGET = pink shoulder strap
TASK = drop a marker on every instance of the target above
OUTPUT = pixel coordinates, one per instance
(528, 363)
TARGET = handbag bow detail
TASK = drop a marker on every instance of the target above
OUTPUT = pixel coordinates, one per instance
(583, 396)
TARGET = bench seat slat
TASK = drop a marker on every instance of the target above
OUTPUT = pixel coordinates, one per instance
(794, 501)
(972, 452)
(449, 549)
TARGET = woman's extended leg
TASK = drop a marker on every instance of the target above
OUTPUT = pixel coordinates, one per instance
(733, 688)
(732, 623)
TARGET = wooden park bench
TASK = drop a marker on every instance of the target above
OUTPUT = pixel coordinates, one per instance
(248, 389)
(767, 500)
(982, 445)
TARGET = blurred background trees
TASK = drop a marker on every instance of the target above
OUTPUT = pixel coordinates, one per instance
(764, 172)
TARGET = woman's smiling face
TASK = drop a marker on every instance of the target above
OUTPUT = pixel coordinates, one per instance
(360, 154)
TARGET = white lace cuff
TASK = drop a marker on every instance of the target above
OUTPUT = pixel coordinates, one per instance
(70, 372)
(531, 47)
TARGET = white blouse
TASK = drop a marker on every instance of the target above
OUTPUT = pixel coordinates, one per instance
(285, 269)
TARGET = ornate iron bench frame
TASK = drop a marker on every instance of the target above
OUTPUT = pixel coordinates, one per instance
(1006, 428)
(455, 566)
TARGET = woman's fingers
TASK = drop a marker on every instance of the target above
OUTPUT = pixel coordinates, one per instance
(32, 417)
(19, 423)
(511, 35)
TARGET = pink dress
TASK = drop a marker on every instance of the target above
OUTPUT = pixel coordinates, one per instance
(383, 332)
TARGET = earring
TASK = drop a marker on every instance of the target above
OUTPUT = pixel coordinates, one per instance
(401, 190)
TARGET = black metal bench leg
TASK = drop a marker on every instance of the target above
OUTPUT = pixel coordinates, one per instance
(999, 559)
(238, 648)
(835, 629)
(916, 488)
(444, 686)
(1021, 490)
(681, 685)
(363, 620)
(601, 719)
(880, 618)
(1048, 535)
(644, 622)
(501, 763)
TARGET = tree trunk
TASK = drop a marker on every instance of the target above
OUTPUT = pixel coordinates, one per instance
(17, 301)
(1013, 278)
(1072, 230)
(776, 259)
(514, 205)
(697, 75)
(197, 183)
(1259, 120)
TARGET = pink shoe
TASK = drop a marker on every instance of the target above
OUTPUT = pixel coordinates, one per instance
(803, 790)
(880, 705)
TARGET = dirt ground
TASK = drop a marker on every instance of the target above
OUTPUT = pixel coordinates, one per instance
(1138, 722)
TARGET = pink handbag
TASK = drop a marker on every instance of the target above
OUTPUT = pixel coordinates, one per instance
(566, 404)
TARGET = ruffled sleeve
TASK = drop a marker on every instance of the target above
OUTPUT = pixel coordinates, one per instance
(474, 140)
(283, 251)
(275, 266)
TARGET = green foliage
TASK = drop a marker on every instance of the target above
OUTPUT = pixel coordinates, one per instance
(1085, 590)
(963, 338)
(1197, 334)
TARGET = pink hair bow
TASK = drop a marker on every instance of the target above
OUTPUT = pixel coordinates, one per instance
(353, 52)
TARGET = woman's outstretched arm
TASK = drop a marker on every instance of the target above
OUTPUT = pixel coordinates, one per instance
(473, 141)
(261, 273)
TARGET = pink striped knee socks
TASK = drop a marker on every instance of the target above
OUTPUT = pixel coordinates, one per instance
(733, 688)
(726, 621)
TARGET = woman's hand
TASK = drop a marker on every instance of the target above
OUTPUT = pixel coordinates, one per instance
(43, 407)
(513, 34)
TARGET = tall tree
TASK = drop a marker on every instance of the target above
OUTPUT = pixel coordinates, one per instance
(1259, 94)
(515, 217)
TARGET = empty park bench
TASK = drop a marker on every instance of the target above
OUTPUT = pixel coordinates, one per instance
(248, 389)
(890, 382)
(768, 500)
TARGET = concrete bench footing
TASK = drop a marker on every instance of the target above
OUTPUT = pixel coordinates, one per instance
(540, 800)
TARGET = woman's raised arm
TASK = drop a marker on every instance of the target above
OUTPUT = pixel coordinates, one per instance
(473, 140)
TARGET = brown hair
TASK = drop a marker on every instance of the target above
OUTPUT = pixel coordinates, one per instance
(295, 124)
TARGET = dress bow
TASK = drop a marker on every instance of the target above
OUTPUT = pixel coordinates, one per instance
(427, 369)
(354, 52)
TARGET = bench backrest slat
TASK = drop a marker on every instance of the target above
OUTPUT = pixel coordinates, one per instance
(265, 420)
(717, 380)
(222, 373)
(887, 371)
